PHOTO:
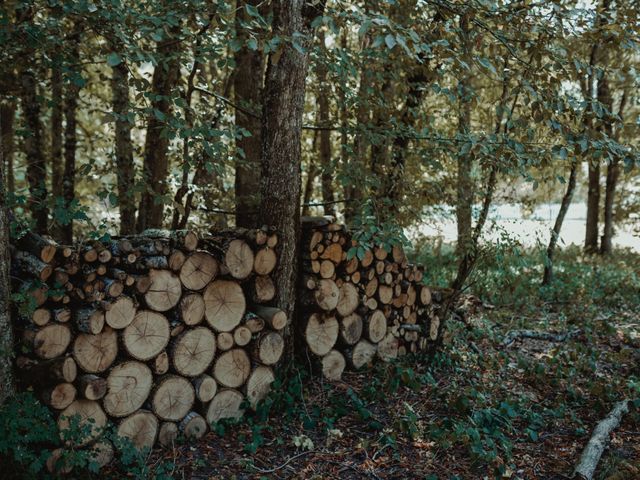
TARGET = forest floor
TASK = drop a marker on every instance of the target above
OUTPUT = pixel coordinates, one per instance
(477, 410)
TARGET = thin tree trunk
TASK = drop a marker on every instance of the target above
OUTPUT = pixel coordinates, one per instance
(247, 87)
(312, 173)
(344, 120)
(34, 150)
(7, 117)
(156, 162)
(70, 143)
(557, 226)
(124, 148)
(283, 108)
(57, 163)
(464, 201)
(6, 332)
(326, 176)
(593, 208)
(613, 172)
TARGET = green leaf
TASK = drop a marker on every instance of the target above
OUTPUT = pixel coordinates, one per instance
(390, 41)
(252, 43)
(114, 59)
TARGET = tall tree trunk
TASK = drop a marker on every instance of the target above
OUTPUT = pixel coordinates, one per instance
(283, 108)
(247, 86)
(312, 173)
(57, 163)
(464, 200)
(344, 122)
(6, 332)
(326, 177)
(593, 208)
(70, 143)
(156, 162)
(7, 117)
(34, 150)
(124, 148)
(557, 226)
(613, 172)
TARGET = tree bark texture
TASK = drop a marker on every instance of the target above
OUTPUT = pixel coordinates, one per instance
(247, 85)
(124, 149)
(156, 163)
(70, 142)
(464, 200)
(326, 176)
(6, 332)
(281, 149)
(7, 117)
(57, 163)
(34, 150)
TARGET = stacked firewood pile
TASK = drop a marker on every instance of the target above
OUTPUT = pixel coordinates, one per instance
(360, 306)
(162, 333)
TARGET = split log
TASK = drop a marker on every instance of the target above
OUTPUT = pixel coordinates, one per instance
(128, 387)
(332, 365)
(141, 428)
(193, 426)
(160, 364)
(262, 289)
(242, 336)
(120, 313)
(60, 396)
(232, 368)
(593, 451)
(239, 259)
(225, 341)
(275, 318)
(327, 294)
(224, 305)
(48, 372)
(205, 388)
(168, 434)
(173, 398)
(226, 404)
(388, 348)
(269, 347)
(164, 290)
(265, 261)
(351, 329)
(31, 265)
(321, 333)
(348, 299)
(193, 351)
(362, 354)
(198, 270)
(41, 316)
(146, 336)
(50, 341)
(90, 419)
(376, 326)
(192, 309)
(92, 387)
(259, 385)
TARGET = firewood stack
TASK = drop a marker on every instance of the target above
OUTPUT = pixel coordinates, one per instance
(161, 333)
(356, 308)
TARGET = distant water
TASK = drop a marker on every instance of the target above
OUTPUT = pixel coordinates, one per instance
(529, 228)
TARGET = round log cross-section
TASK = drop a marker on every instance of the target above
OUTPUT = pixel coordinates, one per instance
(91, 419)
(95, 353)
(259, 384)
(198, 270)
(128, 386)
(193, 351)
(147, 335)
(164, 290)
(226, 404)
(140, 428)
(173, 398)
(224, 305)
(239, 259)
(321, 333)
(232, 368)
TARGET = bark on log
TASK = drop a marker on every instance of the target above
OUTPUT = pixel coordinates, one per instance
(193, 426)
(274, 317)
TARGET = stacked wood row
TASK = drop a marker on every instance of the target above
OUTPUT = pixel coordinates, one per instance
(360, 303)
(161, 334)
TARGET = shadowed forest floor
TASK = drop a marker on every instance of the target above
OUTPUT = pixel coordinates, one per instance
(478, 410)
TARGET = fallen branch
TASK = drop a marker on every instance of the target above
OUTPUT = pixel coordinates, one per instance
(548, 336)
(593, 451)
